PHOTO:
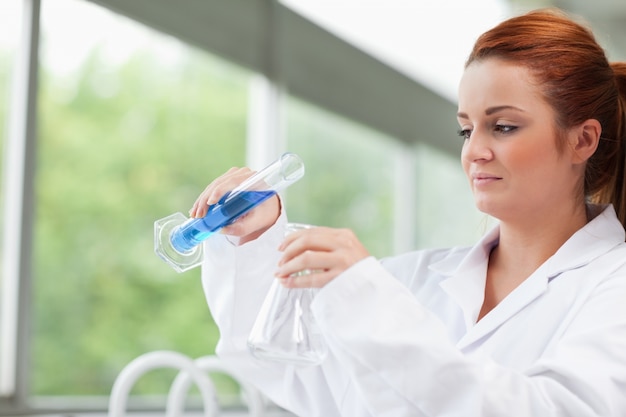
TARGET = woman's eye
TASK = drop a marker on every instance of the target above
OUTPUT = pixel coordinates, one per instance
(504, 128)
(464, 133)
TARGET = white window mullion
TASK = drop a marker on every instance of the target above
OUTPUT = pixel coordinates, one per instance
(18, 210)
(266, 132)
(405, 199)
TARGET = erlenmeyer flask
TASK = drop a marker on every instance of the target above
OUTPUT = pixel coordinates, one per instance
(285, 329)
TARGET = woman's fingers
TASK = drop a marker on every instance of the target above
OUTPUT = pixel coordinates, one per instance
(250, 225)
(312, 279)
(325, 252)
(217, 188)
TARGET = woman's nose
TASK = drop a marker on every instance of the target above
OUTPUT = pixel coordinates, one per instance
(477, 148)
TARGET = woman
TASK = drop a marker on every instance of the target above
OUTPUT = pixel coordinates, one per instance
(531, 321)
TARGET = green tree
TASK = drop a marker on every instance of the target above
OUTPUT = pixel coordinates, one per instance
(120, 147)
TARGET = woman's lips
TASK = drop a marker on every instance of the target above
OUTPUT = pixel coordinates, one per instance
(482, 179)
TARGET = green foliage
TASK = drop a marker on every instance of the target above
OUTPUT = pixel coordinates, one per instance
(119, 148)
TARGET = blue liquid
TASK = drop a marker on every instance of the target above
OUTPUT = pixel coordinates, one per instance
(227, 210)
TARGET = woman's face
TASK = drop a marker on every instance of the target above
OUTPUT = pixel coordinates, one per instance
(510, 155)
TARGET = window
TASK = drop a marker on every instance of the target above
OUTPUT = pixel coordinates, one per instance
(349, 175)
(446, 214)
(352, 180)
(132, 126)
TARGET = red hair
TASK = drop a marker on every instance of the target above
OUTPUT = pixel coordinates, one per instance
(578, 82)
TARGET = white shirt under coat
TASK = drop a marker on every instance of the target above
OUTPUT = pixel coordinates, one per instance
(404, 341)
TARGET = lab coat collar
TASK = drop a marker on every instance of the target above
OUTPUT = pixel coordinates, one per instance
(465, 275)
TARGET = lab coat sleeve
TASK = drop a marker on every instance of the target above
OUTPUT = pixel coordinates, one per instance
(404, 364)
(236, 280)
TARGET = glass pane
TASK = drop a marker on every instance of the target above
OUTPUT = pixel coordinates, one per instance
(349, 175)
(349, 183)
(446, 214)
(132, 126)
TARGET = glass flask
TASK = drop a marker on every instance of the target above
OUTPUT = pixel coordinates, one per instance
(285, 330)
(177, 238)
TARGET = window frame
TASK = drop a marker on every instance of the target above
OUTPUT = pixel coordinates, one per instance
(18, 198)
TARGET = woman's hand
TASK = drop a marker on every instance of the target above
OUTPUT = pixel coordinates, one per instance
(247, 227)
(324, 251)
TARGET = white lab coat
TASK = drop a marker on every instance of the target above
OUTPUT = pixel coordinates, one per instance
(404, 341)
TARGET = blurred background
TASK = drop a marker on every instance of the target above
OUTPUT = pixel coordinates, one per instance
(116, 113)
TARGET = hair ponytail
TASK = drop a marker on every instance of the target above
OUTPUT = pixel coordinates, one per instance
(614, 192)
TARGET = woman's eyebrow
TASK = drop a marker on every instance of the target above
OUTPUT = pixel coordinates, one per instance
(491, 110)
(495, 109)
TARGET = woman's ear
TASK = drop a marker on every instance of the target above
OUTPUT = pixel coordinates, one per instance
(584, 139)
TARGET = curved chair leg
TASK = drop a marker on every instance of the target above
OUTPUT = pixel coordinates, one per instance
(180, 388)
(160, 359)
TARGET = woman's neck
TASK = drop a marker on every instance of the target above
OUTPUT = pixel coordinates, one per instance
(533, 241)
(523, 247)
